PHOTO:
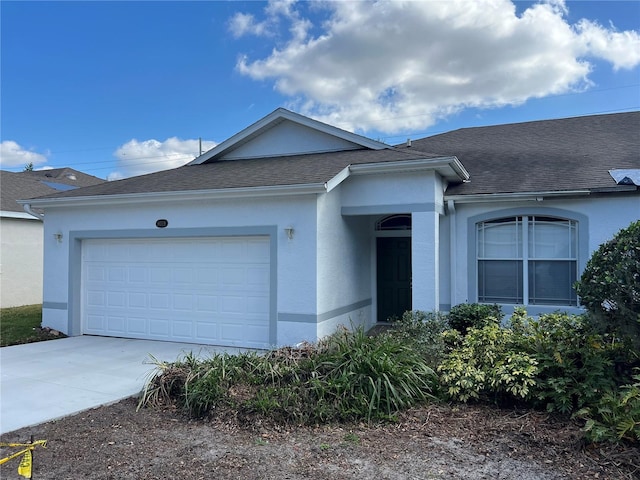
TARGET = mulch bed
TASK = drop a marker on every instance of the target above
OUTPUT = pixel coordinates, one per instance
(432, 442)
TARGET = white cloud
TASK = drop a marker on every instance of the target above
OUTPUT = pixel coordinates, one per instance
(140, 157)
(394, 66)
(12, 154)
(622, 49)
(242, 24)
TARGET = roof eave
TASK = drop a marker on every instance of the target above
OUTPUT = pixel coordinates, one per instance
(515, 196)
(177, 196)
(18, 215)
(449, 167)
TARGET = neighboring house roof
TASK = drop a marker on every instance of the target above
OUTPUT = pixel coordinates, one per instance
(567, 154)
(21, 185)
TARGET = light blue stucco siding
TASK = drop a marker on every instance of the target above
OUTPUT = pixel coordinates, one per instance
(598, 219)
(293, 261)
(419, 193)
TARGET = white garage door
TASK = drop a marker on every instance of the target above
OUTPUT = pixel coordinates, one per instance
(199, 290)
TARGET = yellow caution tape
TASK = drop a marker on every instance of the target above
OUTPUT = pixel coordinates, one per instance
(24, 469)
(26, 463)
(13, 455)
(37, 442)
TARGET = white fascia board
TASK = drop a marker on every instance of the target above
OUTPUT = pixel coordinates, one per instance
(21, 215)
(338, 179)
(187, 195)
(273, 119)
(448, 167)
(514, 197)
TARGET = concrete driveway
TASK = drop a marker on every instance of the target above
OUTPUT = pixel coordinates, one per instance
(44, 381)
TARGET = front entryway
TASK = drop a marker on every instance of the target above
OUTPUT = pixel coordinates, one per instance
(394, 276)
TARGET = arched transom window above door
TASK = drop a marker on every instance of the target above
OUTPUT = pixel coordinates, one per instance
(400, 221)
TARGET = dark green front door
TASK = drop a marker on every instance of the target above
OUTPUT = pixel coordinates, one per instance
(394, 276)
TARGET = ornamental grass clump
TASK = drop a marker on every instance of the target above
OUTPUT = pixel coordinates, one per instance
(365, 377)
(348, 376)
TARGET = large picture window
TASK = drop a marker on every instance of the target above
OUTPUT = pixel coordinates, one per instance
(527, 260)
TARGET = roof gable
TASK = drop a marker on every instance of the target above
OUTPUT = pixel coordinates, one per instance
(284, 133)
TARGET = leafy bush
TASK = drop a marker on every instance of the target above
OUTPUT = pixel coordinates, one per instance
(610, 285)
(464, 316)
(616, 416)
(575, 364)
(484, 364)
(423, 331)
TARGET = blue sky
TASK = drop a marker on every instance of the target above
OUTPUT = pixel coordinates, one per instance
(117, 89)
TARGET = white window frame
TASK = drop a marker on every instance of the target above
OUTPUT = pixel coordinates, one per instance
(525, 223)
(582, 253)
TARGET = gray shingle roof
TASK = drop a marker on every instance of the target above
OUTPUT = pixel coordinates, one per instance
(23, 185)
(255, 172)
(549, 155)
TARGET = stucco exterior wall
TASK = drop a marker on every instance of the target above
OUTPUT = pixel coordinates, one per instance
(21, 262)
(397, 192)
(419, 193)
(343, 266)
(295, 291)
(599, 218)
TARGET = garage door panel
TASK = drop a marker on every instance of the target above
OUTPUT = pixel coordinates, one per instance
(117, 299)
(95, 322)
(203, 290)
(207, 303)
(137, 275)
(137, 325)
(208, 276)
(182, 328)
(257, 305)
(183, 302)
(116, 324)
(95, 299)
(208, 330)
(137, 300)
(96, 273)
(158, 301)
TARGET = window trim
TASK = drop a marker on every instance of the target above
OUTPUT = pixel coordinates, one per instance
(582, 250)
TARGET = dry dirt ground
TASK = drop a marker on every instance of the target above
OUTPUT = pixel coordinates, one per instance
(434, 442)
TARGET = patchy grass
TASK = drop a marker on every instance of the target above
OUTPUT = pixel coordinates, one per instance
(22, 325)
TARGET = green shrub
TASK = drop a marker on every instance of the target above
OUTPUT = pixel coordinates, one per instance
(464, 316)
(423, 331)
(616, 416)
(575, 364)
(609, 287)
(484, 364)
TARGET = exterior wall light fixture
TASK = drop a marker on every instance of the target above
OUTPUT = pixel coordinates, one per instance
(58, 237)
(289, 231)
